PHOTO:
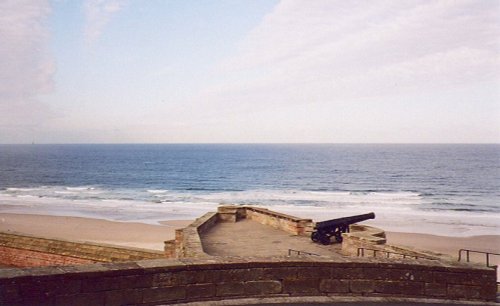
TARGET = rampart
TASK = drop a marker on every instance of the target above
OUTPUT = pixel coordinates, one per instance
(29, 251)
(187, 241)
(166, 281)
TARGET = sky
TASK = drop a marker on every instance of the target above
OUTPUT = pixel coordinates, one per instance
(253, 71)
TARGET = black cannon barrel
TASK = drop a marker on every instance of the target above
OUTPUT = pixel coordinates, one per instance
(345, 220)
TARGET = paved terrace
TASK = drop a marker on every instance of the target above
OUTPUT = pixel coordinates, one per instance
(249, 238)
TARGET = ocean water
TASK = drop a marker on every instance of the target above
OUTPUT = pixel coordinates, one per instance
(441, 189)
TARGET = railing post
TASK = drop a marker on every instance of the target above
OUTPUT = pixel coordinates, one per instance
(487, 259)
(468, 257)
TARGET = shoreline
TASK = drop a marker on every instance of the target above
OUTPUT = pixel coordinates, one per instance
(149, 236)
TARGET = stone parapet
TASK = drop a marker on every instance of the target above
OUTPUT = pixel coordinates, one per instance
(371, 242)
(287, 223)
(187, 241)
(163, 281)
(29, 251)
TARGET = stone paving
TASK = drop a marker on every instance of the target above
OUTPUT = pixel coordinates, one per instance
(249, 238)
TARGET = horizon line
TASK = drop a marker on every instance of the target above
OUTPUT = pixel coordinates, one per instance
(254, 143)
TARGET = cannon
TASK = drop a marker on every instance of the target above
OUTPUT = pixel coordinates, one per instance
(324, 230)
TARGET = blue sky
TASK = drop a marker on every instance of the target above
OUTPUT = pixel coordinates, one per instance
(129, 71)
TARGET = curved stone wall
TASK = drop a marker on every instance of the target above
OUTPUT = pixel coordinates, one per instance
(177, 281)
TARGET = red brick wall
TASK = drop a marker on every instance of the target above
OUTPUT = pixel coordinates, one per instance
(27, 258)
(28, 251)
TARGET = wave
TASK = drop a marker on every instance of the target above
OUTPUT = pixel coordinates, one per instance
(395, 211)
(79, 188)
(16, 189)
(157, 190)
(355, 199)
(63, 192)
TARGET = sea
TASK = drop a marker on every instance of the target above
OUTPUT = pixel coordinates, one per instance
(444, 189)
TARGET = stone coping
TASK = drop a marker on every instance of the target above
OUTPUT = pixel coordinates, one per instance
(273, 213)
(226, 262)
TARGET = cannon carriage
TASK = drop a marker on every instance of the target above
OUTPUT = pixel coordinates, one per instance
(323, 231)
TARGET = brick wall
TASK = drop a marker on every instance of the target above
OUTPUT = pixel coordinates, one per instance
(29, 251)
(27, 258)
(177, 281)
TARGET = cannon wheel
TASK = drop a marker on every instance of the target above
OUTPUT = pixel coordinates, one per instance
(315, 237)
(339, 231)
(324, 239)
(339, 238)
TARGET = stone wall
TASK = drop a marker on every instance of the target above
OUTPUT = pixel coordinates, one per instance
(284, 222)
(166, 281)
(29, 251)
(287, 223)
(187, 241)
(370, 242)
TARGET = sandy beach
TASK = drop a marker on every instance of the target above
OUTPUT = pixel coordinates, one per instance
(450, 245)
(152, 236)
(133, 234)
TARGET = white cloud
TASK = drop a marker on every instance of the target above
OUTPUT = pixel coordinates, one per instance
(98, 13)
(26, 67)
(339, 50)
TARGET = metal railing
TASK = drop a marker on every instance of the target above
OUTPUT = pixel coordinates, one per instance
(467, 255)
(361, 253)
(297, 252)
